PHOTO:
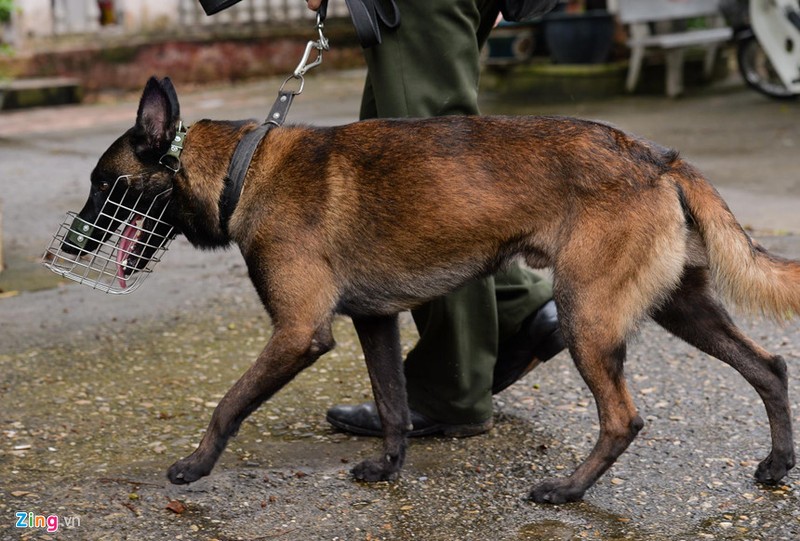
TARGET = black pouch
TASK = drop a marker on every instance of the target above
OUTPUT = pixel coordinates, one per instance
(520, 11)
(213, 6)
(366, 14)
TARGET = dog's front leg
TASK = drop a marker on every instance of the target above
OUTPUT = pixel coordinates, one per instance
(380, 340)
(290, 350)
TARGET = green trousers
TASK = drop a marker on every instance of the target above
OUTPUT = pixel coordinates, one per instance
(429, 66)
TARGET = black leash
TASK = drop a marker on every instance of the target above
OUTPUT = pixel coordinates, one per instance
(367, 15)
(249, 143)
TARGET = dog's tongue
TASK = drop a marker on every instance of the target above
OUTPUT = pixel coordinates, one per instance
(127, 241)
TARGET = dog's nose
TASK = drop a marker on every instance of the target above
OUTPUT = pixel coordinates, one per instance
(70, 248)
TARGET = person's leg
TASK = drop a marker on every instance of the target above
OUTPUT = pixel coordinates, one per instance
(430, 67)
(449, 371)
(476, 341)
(519, 292)
(526, 337)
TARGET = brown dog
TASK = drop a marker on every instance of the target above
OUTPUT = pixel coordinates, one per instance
(376, 217)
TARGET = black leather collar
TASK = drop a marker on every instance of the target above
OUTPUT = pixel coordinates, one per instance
(243, 155)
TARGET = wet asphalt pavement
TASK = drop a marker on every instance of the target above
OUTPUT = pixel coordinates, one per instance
(101, 394)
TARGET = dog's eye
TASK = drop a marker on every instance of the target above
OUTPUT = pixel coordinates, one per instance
(103, 186)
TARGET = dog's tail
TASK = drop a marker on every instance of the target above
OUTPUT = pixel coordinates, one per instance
(743, 272)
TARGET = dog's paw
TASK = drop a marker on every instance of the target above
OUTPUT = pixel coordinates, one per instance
(375, 470)
(774, 468)
(555, 491)
(187, 470)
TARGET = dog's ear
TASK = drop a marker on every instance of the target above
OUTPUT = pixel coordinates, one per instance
(157, 117)
(172, 95)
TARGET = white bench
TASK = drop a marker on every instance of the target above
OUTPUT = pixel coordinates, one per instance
(652, 25)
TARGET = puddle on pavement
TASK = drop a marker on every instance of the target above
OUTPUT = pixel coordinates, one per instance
(25, 273)
(548, 530)
(107, 397)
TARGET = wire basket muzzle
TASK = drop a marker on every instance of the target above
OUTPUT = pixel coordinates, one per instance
(119, 249)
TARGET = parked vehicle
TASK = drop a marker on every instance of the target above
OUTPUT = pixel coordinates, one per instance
(767, 34)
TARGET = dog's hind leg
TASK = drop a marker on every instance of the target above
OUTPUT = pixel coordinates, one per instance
(291, 348)
(599, 357)
(615, 266)
(694, 315)
(380, 340)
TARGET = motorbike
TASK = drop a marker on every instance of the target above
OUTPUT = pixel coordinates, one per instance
(767, 36)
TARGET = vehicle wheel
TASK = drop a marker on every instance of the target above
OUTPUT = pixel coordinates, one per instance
(757, 70)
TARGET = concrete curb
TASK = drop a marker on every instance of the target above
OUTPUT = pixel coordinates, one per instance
(202, 58)
(37, 92)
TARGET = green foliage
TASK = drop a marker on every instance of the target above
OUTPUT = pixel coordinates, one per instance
(7, 7)
(698, 23)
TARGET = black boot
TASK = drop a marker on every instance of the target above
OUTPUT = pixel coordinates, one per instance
(538, 340)
(365, 421)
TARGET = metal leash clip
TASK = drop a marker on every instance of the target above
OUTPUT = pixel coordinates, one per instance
(302, 68)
